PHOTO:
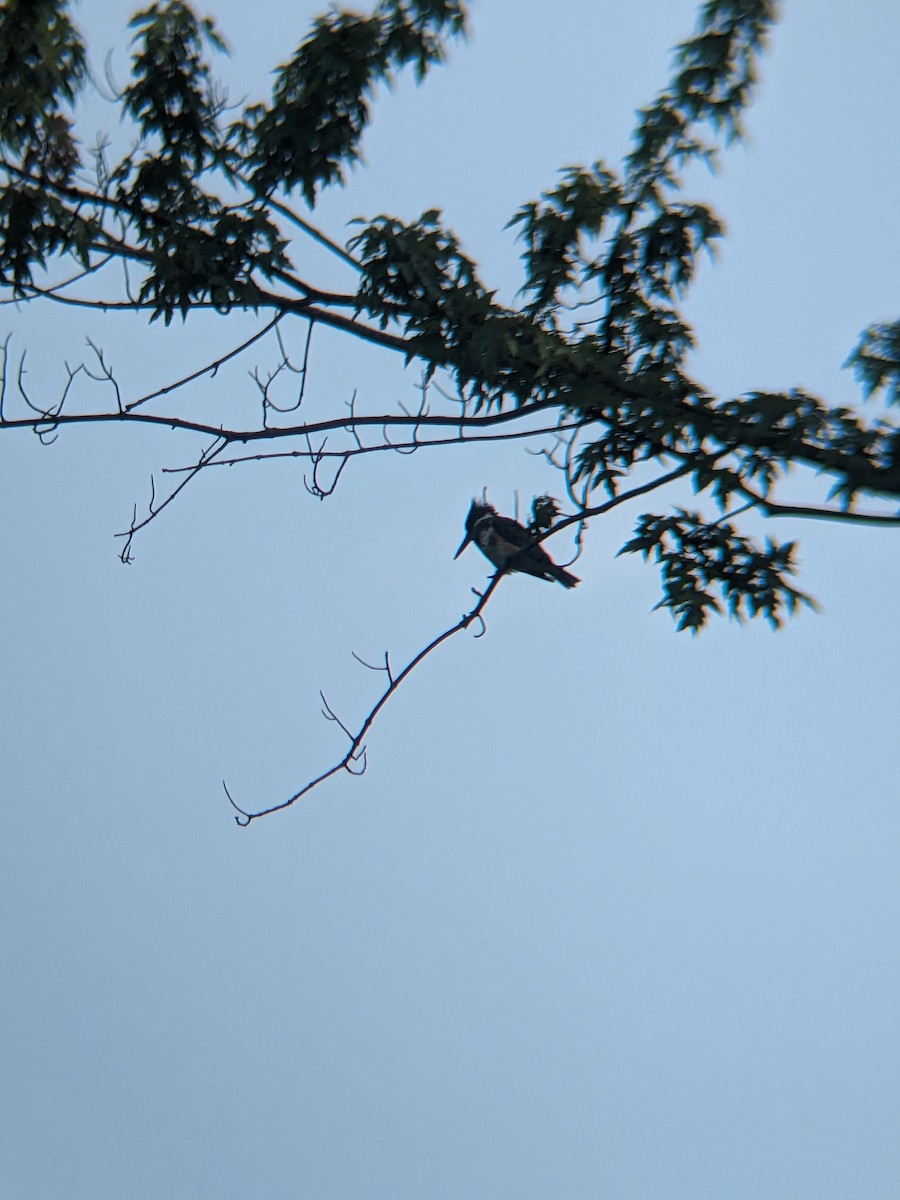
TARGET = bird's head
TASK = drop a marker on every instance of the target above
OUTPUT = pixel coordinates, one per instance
(477, 512)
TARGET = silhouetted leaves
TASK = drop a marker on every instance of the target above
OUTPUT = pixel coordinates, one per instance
(310, 133)
(701, 559)
(599, 343)
(876, 361)
(42, 67)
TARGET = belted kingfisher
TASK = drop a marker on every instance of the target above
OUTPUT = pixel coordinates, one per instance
(509, 545)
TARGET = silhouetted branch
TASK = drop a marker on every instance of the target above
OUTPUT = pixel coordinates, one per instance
(375, 667)
(270, 433)
(210, 368)
(351, 426)
(50, 293)
(284, 364)
(49, 417)
(315, 488)
(154, 509)
(316, 234)
(378, 447)
(105, 374)
(771, 508)
(356, 747)
(4, 351)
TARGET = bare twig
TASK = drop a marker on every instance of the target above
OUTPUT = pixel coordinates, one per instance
(361, 448)
(356, 749)
(48, 293)
(106, 373)
(4, 350)
(316, 234)
(374, 666)
(48, 419)
(210, 368)
(314, 487)
(154, 509)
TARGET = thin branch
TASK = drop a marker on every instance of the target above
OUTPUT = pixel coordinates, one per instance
(284, 365)
(154, 509)
(50, 293)
(771, 508)
(106, 373)
(351, 426)
(295, 283)
(267, 434)
(361, 448)
(356, 749)
(211, 368)
(597, 510)
(46, 416)
(368, 333)
(4, 350)
(374, 666)
(315, 488)
(315, 234)
(356, 740)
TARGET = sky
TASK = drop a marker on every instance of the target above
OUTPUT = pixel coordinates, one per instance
(613, 911)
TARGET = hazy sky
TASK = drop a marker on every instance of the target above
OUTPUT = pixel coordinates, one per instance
(614, 912)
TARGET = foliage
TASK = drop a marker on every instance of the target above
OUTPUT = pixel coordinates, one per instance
(196, 211)
(202, 213)
(695, 556)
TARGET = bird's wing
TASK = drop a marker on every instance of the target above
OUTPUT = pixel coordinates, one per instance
(511, 531)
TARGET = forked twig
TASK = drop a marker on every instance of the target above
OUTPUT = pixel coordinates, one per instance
(356, 751)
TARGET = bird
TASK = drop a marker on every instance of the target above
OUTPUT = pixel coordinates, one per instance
(509, 545)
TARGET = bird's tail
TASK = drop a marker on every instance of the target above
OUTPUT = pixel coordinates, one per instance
(566, 578)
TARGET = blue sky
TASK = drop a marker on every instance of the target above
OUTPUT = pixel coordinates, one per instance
(613, 912)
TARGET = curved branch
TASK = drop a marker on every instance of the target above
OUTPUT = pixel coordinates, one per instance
(269, 433)
(356, 749)
(509, 435)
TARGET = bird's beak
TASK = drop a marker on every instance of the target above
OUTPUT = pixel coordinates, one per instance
(463, 545)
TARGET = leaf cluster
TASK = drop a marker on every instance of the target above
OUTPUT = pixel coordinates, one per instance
(188, 208)
(42, 68)
(700, 558)
(200, 212)
(876, 361)
(310, 133)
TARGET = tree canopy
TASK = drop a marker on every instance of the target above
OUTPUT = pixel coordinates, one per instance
(210, 210)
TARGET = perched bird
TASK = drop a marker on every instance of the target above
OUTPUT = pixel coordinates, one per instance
(509, 545)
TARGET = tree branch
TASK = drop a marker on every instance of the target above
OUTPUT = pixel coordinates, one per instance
(356, 749)
(211, 368)
(771, 508)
